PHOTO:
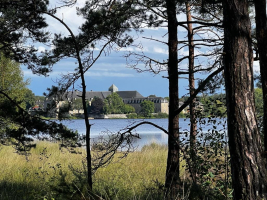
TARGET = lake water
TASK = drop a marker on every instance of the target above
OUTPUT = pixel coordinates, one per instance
(147, 133)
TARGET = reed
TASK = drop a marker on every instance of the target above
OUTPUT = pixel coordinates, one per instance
(49, 172)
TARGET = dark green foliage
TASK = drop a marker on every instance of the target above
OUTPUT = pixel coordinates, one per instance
(152, 19)
(110, 19)
(97, 106)
(21, 21)
(259, 109)
(128, 109)
(213, 105)
(64, 109)
(76, 104)
(29, 99)
(18, 127)
(114, 105)
(28, 128)
(147, 108)
(258, 101)
(152, 95)
(212, 160)
(132, 116)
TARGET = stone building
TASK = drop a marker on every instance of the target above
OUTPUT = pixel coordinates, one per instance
(133, 98)
(161, 104)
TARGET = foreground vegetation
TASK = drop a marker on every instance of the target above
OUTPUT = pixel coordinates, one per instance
(50, 173)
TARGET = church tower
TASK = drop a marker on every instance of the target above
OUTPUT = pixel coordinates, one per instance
(113, 88)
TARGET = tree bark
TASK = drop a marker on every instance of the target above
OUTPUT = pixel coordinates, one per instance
(88, 129)
(172, 182)
(192, 105)
(247, 165)
(261, 34)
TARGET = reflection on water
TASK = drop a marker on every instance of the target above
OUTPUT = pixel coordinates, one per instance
(147, 133)
(160, 138)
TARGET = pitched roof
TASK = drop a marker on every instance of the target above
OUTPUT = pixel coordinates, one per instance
(89, 95)
(101, 95)
(129, 94)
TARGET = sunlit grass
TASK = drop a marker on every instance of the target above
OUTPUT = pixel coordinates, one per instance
(21, 177)
(45, 172)
(139, 175)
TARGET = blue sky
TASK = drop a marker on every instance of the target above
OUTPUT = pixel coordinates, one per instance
(112, 68)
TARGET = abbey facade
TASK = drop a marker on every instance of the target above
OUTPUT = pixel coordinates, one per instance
(133, 98)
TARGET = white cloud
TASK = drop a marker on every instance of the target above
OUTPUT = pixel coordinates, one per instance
(68, 15)
(41, 49)
(143, 49)
(108, 74)
(100, 72)
(160, 50)
(28, 74)
(126, 49)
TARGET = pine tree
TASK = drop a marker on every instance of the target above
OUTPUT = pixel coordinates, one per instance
(248, 166)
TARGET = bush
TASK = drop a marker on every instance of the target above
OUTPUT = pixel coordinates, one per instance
(147, 108)
(132, 116)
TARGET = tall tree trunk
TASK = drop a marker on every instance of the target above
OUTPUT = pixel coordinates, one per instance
(172, 172)
(261, 34)
(192, 105)
(247, 165)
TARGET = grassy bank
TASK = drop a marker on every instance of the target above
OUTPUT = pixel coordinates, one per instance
(50, 173)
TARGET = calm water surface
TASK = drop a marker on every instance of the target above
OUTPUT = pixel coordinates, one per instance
(146, 132)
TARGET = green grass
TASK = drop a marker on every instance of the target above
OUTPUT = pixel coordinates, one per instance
(28, 178)
(49, 173)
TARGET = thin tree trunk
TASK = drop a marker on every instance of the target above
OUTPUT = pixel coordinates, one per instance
(87, 136)
(247, 165)
(261, 33)
(172, 172)
(192, 105)
(87, 124)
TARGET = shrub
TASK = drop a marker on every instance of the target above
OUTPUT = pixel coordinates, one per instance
(132, 116)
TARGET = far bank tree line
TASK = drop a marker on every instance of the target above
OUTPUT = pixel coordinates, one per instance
(209, 105)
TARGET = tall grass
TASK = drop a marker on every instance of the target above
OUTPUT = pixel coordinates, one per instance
(29, 178)
(50, 173)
